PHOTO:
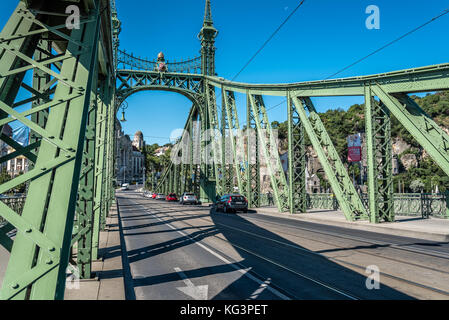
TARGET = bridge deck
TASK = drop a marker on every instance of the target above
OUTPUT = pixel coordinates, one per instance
(193, 252)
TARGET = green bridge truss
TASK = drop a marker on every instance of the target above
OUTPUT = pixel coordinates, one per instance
(70, 100)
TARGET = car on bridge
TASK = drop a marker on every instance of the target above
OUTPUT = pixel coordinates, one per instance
(171, 197)
(160, 196)
(154, 195)
(188, 198)
(125, 186)
(232, 203)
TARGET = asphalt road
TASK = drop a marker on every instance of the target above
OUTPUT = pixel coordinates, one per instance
(192, 252)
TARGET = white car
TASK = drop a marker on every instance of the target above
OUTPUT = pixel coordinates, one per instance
(147, 194)
(188, 197)
(125, 186)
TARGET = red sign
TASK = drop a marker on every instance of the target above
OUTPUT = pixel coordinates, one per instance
(354, 154)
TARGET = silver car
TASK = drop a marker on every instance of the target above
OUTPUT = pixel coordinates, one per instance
(188, 197)
(160, 196)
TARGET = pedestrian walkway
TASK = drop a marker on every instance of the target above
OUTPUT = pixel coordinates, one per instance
(109, 281)
(433, 229)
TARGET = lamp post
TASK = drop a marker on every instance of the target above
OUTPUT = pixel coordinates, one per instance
(123, 106)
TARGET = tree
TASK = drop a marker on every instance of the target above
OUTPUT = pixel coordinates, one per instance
(4, 177)
(417, 185)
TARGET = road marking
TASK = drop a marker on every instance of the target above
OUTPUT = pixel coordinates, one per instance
(233, 265)
(273, 262)
(196, 292)
(259, 290)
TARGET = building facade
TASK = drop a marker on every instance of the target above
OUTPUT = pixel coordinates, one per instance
(130, 162)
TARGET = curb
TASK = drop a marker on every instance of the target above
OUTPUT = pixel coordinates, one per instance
(424, 235)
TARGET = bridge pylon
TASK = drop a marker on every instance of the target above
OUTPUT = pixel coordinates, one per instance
(71, 106)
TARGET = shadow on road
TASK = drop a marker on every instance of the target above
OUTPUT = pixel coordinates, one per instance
(291, 269)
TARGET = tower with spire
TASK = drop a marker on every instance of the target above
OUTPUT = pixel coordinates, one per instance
(207, 37)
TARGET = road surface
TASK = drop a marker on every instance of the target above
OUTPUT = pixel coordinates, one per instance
(176, 252)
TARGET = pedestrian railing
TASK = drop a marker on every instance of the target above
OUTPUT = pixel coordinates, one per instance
(405, 204)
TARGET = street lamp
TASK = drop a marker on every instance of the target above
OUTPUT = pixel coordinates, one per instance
(123, 106)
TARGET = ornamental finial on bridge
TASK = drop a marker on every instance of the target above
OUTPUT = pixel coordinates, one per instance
(161, 65)
(208, 14)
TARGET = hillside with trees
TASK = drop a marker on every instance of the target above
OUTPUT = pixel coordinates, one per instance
(340, 124)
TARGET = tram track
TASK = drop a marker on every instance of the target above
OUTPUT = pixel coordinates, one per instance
(337, 260)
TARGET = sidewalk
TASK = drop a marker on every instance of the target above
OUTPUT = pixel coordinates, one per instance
(109, 281)
(432, 229)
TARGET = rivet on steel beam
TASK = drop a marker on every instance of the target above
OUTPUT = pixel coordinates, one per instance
(15, 286)
(29, 230)
(49, 261)
(51, 249)
(43, 169)
(51, 137)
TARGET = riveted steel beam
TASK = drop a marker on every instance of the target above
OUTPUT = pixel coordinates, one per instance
(379, 159)
(428, 134)
(269, 148)
(296, 160)
(337, 174)
(424, 79)
(40, 252)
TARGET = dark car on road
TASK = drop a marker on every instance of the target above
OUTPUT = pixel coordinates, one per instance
(232, 203)
(160, 196)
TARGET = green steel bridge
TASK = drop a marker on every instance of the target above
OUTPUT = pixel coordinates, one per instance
(80, 79)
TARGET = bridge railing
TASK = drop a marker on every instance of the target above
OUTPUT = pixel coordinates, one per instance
(129, 61)
(405, 204)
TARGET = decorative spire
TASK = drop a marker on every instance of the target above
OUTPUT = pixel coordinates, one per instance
(207, 37)
(208, 14)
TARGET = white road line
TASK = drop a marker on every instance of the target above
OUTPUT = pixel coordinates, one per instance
(237, 268)
(282, 266)
(259, 290)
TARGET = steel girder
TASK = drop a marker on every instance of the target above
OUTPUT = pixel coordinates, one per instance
(269, 148)
(238, 162)
(379, 159)
(196, 155)
(227, 153)
(41, 248)
(296, 160)
(428, 134)
(133, 81)
(423, 79)
(337, 174)
(252, 166)
(211, 132)
(104, 126)
(83, 232)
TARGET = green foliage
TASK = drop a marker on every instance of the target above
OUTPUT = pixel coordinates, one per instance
(340, 124)
(417, 185)
(4, 177)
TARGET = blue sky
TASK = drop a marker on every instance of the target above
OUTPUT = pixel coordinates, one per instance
(323, 37)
